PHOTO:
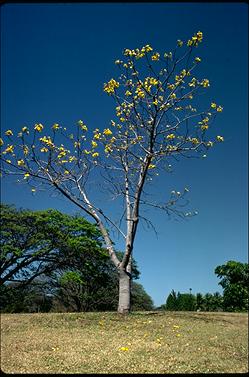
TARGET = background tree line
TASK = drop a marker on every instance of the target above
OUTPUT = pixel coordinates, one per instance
(51, 261)
(234, 281)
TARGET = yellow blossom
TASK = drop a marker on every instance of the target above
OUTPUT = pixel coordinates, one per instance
(84, 127)
(94, 144)
(219, 109)
(1, 142)
(9, 149)
(151, 166)
(155, 56)
(9, 133)
(38, 127)
(97, 136)
(72, 158)
(170, 137)
(20, 162)
(219, 138)
(33, 189)
(111, 86)
(25, 130)
(124, 349)
(26, 175)
(197, 59)
(107, 131)
(209, 144)
(25, 150)
(171, 86)
(205, 83)
(213, 105)
(86, 151)
(204, 127)
(128, 93)
(44, 149)
(194, 140)
(179, 43)
(95, 154)
(55, 126)
(66, 172)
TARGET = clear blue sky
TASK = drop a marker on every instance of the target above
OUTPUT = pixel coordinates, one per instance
(55, 59)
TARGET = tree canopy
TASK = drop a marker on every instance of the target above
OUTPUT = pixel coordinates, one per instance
(37, 242)
(235, 282)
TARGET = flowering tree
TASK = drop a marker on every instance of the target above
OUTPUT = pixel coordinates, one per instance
(156, 122)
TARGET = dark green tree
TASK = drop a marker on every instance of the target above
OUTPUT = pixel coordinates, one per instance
(89, 283)
(140, 300)
(34, 243)
(171, 302)
(186, 302)
(235, 282)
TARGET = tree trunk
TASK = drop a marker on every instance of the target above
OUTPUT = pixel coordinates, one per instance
(124, 302)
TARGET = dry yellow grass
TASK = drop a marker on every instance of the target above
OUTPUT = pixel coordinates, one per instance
(179, 342)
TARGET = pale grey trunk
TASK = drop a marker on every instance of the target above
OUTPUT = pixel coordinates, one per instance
(124, 302)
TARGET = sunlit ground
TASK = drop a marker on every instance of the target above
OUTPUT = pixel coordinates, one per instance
(144, 342)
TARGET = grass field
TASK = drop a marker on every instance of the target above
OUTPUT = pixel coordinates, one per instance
(143, 342)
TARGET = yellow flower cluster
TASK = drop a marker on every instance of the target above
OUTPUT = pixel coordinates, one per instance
(82, 125)
(204, 127)
(209, 144)
(139, 93)
(149, 82)
(20, 163)
(1, 142)
(111, 86)
(55, 126)
(205, 83)
(180, 77)
(155, 56)
(196, 39)
(193, 82)
(47, 140)
(25, 150)
(219, 138)
(38, 127)
(151, 166)
(170, 136)
(9, 149)
(94, 144)
(9, 133)
(107, 131)
(97, 135)
(194, 140)
(138, 53)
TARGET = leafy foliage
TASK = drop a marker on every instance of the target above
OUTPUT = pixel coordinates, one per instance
(189, 302)
(235, 282)
(37, 242)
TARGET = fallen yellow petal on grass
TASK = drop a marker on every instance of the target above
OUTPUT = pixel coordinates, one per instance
(124, 349)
